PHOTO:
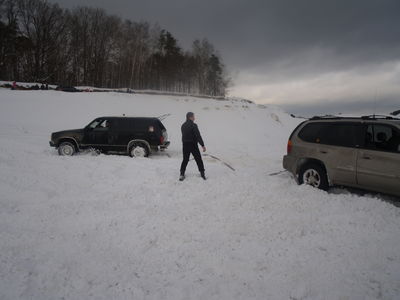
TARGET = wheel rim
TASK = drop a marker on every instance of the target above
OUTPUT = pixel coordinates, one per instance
(312, 177)
(138, 151)
(67, 150)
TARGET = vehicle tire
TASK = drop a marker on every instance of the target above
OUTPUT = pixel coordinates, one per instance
(138, 150)
(66, 149)
(314, 174)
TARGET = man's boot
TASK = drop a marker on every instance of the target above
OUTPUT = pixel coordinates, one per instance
(182, 177)
(203, 175)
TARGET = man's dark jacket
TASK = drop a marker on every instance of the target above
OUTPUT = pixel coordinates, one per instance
(191, 133)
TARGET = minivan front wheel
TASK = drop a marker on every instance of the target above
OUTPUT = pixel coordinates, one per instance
(66, 149)
(138, 150)
(314, 175)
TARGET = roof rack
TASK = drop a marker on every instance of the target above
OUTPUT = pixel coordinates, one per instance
(368, 117)
(325, 117)
(376, 117)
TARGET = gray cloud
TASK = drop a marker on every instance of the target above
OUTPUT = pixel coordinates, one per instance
(267, 44)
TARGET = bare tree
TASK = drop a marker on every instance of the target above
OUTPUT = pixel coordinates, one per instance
(45, 27)
(40, 41)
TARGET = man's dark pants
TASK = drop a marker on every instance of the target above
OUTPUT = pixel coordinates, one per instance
(191, 148)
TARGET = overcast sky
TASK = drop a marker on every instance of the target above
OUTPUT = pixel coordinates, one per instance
(309, 56)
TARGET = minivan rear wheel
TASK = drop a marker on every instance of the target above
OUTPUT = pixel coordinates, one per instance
(314, 175)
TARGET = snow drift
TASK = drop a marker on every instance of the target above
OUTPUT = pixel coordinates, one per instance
(113, 227)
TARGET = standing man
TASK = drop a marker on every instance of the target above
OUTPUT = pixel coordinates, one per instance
(190, 138)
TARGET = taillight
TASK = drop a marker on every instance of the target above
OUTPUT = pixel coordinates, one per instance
(164, 137)
(289, 146)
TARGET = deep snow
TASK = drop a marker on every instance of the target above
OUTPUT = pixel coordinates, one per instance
(113, 227)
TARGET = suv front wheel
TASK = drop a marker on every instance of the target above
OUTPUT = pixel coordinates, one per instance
(66, 149)
(314, 175)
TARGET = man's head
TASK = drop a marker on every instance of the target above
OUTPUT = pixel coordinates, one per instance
(190, 116)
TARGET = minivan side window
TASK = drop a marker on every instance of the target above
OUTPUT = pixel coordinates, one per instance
(382, 138)
(335, 134)
(311, 132)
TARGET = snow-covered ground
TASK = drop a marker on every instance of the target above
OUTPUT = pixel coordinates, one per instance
(114, 227)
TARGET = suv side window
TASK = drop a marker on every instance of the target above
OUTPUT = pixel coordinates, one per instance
(104, 124)
(95, 123)
(100, 124)
(382, 138)
(142, 125)
(123, 124)
(335, 134)
(133, 124)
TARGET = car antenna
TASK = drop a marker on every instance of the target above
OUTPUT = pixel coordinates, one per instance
(375, 100)
(162, 117)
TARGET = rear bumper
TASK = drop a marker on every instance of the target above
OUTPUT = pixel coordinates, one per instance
(165, 145)
(290, 164)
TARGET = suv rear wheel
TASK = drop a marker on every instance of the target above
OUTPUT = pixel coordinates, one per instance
(314, 175)
(139, 150)
(66, 149)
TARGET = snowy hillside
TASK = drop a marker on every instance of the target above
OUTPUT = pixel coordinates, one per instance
(114, 227)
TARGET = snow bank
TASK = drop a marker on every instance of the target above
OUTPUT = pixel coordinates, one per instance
(113, 227)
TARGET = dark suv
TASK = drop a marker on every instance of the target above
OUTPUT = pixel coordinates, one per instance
(359, 152)
(137, 137)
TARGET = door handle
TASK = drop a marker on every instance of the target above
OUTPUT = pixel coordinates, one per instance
(366, 157)
(323, 151)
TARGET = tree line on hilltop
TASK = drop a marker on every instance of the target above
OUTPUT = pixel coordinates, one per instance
(42, 42)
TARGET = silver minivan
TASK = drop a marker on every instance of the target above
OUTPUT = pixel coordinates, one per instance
(357, 152)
